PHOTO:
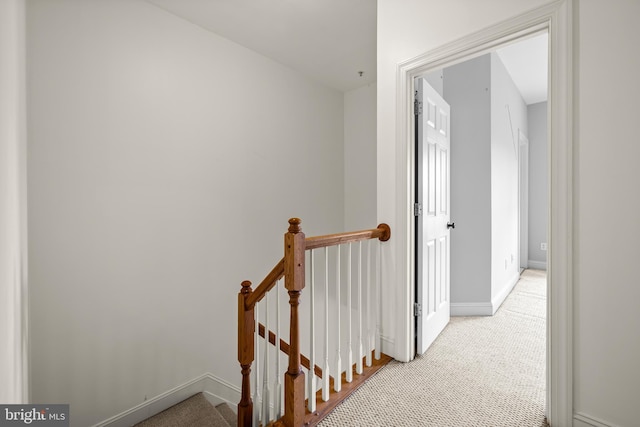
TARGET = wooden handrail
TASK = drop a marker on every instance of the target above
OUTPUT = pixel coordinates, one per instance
(383, 232)
(292, 268)
(266, 285)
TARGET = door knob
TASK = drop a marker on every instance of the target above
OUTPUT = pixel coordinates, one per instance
(451, 225)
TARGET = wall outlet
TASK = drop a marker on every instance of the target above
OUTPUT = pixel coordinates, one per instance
(543, 246)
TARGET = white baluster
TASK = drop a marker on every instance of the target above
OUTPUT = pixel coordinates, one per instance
(325, 368)
(368, 341)
(257, 401)
(349, 373)
(312, 351)
(359, 356)
(277, 385)
(337, 382)
(378, 295)
(266, 391)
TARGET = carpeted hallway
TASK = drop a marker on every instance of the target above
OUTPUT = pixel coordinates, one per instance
(481, 371)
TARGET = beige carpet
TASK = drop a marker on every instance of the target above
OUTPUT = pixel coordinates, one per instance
(193, 412)
(481, 371)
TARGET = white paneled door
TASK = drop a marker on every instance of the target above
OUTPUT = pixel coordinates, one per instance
(433, 226)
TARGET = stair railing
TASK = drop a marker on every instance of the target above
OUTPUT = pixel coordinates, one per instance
(292, 268)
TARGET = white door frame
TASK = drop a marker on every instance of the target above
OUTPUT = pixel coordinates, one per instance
(523, 200)
(556, 18)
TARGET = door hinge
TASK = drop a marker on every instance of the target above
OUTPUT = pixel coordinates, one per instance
(417, 209)
(417, 309)
(417, 107)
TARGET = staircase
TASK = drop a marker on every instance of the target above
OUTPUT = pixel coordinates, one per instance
(196, 411)
(295, 371)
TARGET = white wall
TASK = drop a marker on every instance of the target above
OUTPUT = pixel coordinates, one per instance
(508, 115)
(164, 162)
(360, 158)
(13, 260)
(607, 341)
(467, 91)
(538, 182)
(607, 344)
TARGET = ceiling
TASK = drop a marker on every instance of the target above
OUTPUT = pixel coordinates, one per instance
(331, 41)
(327, 40)
(527, 62)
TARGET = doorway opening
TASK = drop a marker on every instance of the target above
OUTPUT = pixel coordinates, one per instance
(556, 18)
(501, 229)
(475, 165)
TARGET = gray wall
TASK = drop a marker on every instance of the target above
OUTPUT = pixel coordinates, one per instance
(466, 89)
(538, 192)
(164, 162)
(484, 181)
(360, 158)
(436, 81)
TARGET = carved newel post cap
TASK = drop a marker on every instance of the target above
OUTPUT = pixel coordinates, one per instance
(294, 225)
(246, 287)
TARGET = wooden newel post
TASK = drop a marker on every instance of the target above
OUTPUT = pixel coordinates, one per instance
(246, 331)
(294, 248)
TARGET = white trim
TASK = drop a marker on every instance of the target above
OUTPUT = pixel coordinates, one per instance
(214, 389)
(14, 298)
(484, 308)
(523, 199)
(560, 256)
(497, 300)
(471, 309)
(584, 420)
(219, 391)
(556, 17)
(537, 265)
(387, 345)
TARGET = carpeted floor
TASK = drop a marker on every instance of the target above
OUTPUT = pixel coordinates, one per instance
(193, 412)
(481, 371)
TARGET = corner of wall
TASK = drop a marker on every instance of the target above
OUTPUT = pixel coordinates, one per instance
(499, 298)
(214, 389)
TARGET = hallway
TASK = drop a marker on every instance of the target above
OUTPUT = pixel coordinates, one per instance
(481, 371)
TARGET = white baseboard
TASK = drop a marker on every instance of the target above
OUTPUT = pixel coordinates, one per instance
(584, 420)
(471, 309)
(537, 265)
(219, 391)
(387, 345)
(214, 389)
(497, 301)
(483, 308)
